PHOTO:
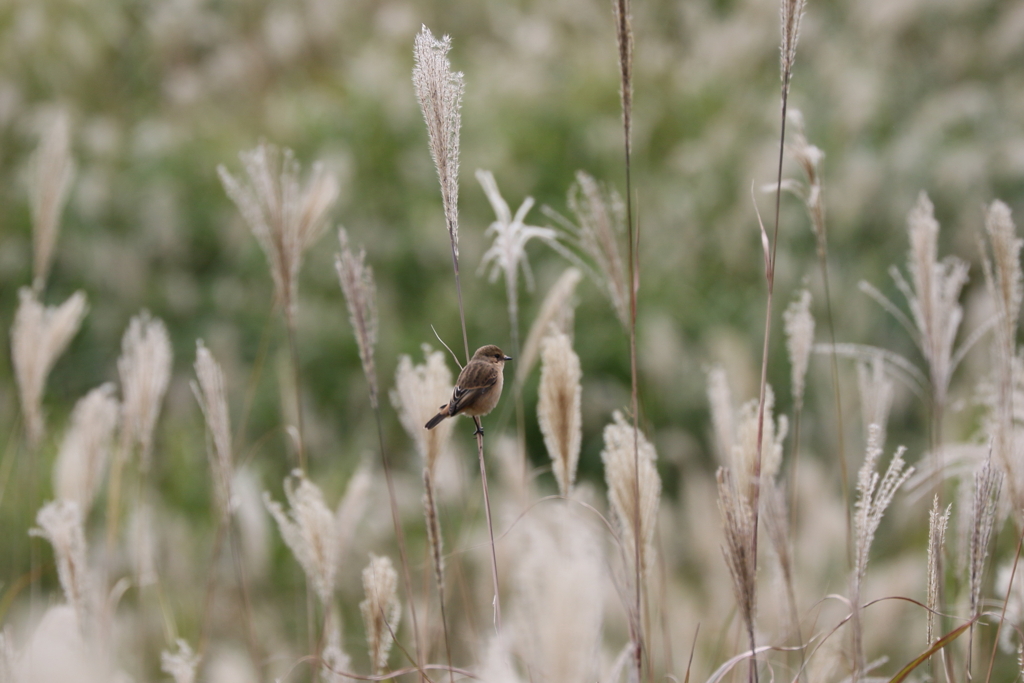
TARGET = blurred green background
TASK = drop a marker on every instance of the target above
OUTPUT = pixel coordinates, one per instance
(902, 96)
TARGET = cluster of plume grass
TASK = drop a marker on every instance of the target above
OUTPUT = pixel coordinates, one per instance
(405, 560)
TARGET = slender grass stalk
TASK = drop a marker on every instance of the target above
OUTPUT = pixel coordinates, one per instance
(792, 13)
(293, 353)
(436, 556)
(439, 92)
(624, 39)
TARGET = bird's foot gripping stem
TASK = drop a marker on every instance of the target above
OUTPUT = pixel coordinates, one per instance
(479, 427)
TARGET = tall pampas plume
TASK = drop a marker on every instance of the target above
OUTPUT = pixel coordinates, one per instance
(285, 215)
(419, 390)
(309, 530)
(84, 452)
(621, 476)
(60, 522)
(634, 490)
(558, 408)
(934, 298)
(381, 609)
(938, 522)
(753, 423)
(39, 335)
(1004, 281)
(51, 173)
(600, 220)
(145, 370)
(210, 393)
(874, 494)
(738, 525)
(439, 91)
(791, 13)
(356, 279)
(988, 482)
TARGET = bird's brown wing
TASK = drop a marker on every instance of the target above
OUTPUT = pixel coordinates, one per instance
(475, 382)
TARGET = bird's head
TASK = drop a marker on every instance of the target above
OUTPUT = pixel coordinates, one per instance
(491, 354)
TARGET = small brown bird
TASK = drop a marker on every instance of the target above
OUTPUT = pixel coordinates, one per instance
(478, 388)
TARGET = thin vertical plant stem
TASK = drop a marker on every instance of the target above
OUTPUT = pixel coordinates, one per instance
(399, 536)
(294, 349)
(479, 439)
(435, 552)
(755, 483)
(624, 38)
(490, 525)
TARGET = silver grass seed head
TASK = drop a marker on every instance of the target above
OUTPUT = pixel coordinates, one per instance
(799, 326)
(556, 314)
(145, 371)
(433, 523)
(381, 609)
(51, 173)
(309, 530)
(559, 408)
(39, 335)
(285, 215)
(938, 522)
(600, 216)
(791, 15)
(419, 391)
(874, 494)
(1007, 285)
(356, 278)
(624, 39)
(988, 482)
(934, 296)
(439, 91)
(85, 450)
(744, 450)
(210, 393)
(61, 524)
(738, 524)
(624, 480)
(182, 664)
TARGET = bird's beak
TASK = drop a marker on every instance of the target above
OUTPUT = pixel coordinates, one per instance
(508, 358)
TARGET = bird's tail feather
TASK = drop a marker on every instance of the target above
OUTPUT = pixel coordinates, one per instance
(436, 420)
